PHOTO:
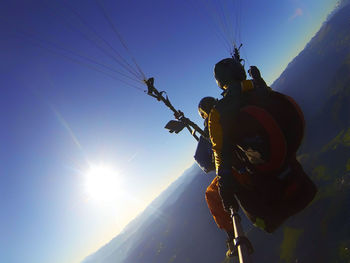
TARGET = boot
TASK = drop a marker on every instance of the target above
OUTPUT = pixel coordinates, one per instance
(231, 249)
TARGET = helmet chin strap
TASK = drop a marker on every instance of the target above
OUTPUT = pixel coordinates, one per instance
(220, 85)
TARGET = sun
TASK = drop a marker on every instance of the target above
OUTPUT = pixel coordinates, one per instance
(102, 183)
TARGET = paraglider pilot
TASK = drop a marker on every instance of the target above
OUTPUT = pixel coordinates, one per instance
(254, 136)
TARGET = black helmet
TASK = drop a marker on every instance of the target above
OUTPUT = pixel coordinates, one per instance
(205, 106)
(228, 70)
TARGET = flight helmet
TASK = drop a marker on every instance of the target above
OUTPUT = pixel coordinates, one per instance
(205, 106)
(229, 70)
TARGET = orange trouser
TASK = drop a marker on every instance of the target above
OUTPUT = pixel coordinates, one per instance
(213, 198)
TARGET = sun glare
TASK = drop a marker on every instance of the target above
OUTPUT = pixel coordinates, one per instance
(102, 183)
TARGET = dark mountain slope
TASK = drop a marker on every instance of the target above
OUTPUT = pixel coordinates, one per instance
(118, 248)
(186, 233)
(333, 115)
(318, 78)
(310, 76)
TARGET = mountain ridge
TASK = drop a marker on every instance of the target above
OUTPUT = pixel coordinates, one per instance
(140, 220)
(330, 45)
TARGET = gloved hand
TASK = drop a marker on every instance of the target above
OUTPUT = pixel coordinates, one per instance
(228, 187)
(254, 73)
(257, 79)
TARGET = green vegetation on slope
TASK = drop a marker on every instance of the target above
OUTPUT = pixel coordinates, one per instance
(342, 139)
(320, 173)
(289, 243)
(348, 165)
(344, 251)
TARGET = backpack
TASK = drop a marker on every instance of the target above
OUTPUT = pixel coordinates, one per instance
(272, 131)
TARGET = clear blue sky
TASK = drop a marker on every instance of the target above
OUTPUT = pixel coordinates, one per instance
(59, 118)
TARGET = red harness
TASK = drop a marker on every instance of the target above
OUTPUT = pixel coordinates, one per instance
(278, 146)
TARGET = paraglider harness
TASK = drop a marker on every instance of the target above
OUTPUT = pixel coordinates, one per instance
(242, 246)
